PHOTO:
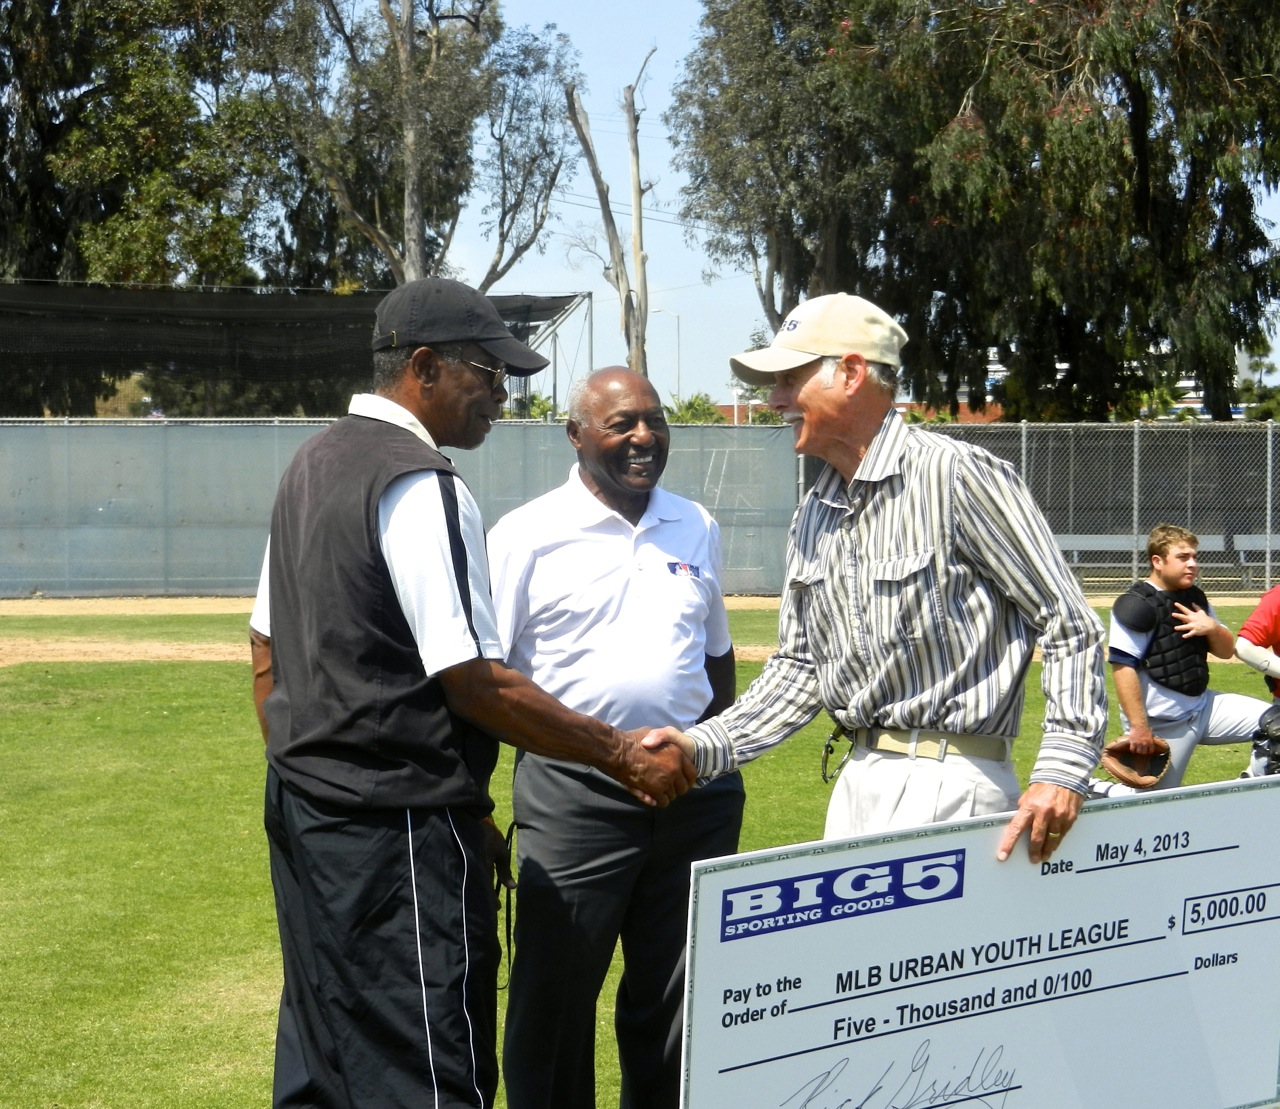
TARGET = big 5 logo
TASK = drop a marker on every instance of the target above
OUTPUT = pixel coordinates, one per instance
(841, 893)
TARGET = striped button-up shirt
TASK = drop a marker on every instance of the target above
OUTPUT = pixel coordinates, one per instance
(914, 598)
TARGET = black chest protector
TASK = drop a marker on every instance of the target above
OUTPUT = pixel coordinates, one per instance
(1176, 663)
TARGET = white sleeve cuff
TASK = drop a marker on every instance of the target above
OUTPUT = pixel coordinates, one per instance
(1260, 658)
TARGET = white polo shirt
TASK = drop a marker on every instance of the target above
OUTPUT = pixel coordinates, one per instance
(452, 621)
(612, 619)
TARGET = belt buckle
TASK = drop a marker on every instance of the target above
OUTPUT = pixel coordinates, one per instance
(829, 749)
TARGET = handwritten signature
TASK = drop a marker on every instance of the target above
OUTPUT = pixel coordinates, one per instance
(985, 1082)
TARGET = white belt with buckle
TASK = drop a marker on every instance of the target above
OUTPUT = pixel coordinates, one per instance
(918, 743)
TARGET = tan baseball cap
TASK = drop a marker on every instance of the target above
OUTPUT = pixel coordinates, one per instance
(836, 324)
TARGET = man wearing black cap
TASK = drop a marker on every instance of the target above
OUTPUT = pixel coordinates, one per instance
(379, 687)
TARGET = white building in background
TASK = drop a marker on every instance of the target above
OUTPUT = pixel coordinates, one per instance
(1188, 390)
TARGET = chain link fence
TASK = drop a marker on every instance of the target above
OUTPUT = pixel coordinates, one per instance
(182, 507)
(1103, 487)
(122, 507)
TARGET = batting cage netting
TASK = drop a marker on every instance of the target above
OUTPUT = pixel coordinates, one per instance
(213, 391)
(67, 349)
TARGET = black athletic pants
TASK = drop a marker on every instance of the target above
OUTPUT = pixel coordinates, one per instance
(596, 867)
(389, 936)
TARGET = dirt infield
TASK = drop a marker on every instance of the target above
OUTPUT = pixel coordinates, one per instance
(16, 649)
(123, 606)
(71, 648)
(191, 606)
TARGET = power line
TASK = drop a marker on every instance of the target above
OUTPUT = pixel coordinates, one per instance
(576, 200)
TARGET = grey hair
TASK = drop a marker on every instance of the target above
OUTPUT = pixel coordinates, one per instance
(884, 375)
(388, 367)
(576, 406)
(880, 373)
(389, 364)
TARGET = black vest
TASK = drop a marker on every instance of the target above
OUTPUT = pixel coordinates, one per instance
(1176, 663)
(353, 720)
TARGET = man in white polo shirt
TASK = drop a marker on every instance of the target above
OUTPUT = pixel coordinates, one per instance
(608, 596)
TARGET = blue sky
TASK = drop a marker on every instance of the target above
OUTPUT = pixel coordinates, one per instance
(711, 320)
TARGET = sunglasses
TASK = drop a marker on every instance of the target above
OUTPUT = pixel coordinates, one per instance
(499, 376)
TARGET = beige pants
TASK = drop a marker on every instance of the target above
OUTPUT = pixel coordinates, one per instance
(885, 792)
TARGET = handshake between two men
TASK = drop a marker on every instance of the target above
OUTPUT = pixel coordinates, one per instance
(1044, 812)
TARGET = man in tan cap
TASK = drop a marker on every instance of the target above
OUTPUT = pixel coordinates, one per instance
(920, 577)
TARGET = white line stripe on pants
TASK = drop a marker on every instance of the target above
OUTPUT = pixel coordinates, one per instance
(422, 974)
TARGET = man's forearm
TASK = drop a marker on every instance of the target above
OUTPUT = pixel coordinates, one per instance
(1074, 683)
(1129, 694)
(1222, 644)
(1260, 658)
(722, 675)
(507, 705)
(1066, 761)
(781, 701)
(260, 651)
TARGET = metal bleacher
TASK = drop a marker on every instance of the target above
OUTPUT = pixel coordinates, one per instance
(1257, 556)
(1236, 563)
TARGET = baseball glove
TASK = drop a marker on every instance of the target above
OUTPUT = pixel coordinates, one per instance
(1139, 771)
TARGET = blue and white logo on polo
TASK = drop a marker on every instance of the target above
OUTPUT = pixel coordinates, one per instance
(841, 893)
(684, 570)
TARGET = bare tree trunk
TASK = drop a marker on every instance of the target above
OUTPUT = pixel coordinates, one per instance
(636, 356)
(414, 262)
(306, 76)
(337, 187)
(633, 302)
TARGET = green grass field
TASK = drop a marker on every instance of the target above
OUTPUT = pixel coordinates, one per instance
(138, 955)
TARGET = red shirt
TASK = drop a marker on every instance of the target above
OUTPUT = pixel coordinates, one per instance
(1263, 627)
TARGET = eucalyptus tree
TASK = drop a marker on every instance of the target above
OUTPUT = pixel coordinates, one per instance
(1072, 183)
(383, 102)
(125, 157)
(165, 136)
(631, 281)
(528, 153)
(46, 61)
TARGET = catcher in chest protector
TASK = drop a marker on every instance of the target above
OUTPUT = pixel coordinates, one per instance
(1162, 631)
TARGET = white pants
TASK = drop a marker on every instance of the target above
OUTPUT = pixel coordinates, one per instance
(885, 792)
(1224, 718)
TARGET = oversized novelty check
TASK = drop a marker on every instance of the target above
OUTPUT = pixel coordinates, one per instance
(1139, 968)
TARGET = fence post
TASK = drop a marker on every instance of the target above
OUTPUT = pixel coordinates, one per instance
(1187, 513)
(1271, 424)
(1023, 472)
(68, 476)
(1133, 523)
(167, 433)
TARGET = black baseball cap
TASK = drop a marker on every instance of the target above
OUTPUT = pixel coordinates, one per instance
(438, 310)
